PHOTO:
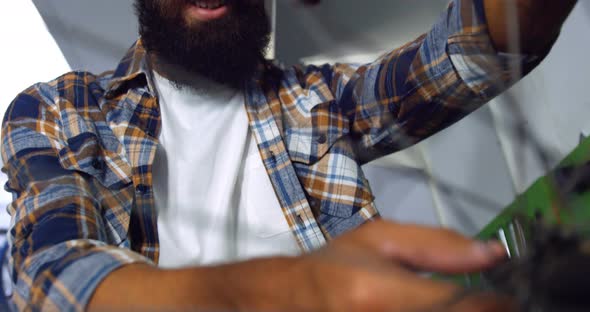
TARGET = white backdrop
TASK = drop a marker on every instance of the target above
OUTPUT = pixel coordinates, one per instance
(427, 184)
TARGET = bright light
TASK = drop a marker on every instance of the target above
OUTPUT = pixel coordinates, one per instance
(28, 54)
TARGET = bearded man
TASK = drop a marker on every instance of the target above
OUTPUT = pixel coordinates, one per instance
(199, 176)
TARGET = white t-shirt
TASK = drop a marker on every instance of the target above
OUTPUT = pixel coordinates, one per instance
(214, 198)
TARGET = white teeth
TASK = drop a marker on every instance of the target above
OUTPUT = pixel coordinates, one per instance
(211, 4)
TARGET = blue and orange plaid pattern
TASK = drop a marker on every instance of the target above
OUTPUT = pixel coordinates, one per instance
(78, 150)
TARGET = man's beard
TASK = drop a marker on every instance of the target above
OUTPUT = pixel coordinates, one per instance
(228, 50)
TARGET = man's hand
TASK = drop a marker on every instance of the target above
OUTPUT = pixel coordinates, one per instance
(539, 23)
(370, 269)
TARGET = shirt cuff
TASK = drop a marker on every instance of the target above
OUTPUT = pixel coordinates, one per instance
(484, 70)
(75, 270)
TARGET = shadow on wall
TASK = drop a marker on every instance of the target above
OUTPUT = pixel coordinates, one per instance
(92, 35)
(344, 27)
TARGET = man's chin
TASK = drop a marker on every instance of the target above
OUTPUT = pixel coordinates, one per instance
(202, 75)
(227, 48)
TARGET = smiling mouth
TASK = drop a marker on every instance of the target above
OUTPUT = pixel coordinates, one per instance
(208, 10)
(209, 4)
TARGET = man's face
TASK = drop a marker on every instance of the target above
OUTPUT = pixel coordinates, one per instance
(223, 40)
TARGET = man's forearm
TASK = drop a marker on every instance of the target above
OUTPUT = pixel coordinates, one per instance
(142, 287)
(362, 270)
(539, 22)
(223, 288)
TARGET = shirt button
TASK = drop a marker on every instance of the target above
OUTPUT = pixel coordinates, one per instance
(300, 221)
(109, 94)
(97, 164)
(322, 138)
(273, 158)
(142, 189)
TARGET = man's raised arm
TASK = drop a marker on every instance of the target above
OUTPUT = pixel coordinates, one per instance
(434, 81)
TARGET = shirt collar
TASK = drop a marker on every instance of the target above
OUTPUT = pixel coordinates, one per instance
(135, 66)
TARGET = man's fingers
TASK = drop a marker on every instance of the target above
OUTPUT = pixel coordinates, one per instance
(411, 293)
(429, 249)
(416, 294)
(367, 263)
(485, 303)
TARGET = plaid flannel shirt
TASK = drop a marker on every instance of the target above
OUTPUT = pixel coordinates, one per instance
(78, 150)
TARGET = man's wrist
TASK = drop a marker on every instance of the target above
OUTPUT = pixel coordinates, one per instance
(245, 286)
(254, 285)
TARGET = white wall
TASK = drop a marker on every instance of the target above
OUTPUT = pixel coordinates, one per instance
(92, 35)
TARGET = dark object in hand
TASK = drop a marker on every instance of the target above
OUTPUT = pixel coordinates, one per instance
(310, 2)
(573, 179)
(552, 275)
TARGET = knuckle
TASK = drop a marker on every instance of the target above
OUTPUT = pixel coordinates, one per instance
(361, 295)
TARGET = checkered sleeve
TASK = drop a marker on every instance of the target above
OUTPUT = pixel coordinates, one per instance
(58, 241)
(426, 85)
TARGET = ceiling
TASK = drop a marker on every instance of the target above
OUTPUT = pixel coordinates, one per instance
(93, 35)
